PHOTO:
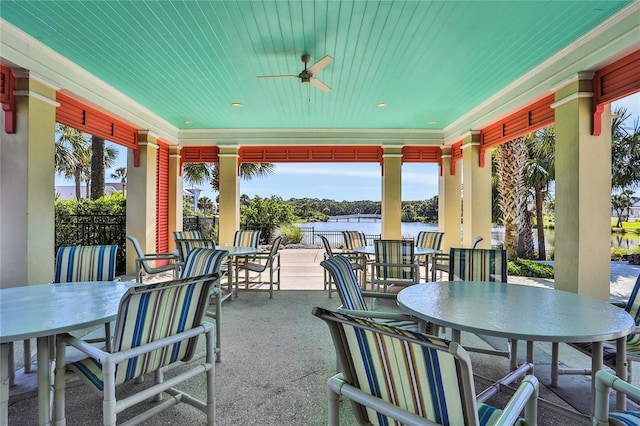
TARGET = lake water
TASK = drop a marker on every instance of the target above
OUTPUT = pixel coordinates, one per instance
(411, 230)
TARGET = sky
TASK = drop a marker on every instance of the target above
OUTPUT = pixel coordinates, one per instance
(344, 181)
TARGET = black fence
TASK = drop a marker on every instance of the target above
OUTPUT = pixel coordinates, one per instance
(335, 238)
(91, 230)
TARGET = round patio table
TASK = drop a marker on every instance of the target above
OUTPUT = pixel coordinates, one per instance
(521, 312)
(41, 312)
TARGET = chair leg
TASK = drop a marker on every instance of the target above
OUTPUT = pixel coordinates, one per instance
(334, 409)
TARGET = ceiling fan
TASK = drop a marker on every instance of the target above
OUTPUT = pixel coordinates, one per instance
(307, 74)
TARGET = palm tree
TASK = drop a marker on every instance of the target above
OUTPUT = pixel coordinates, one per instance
(72, 154)
(205, 204)
(510, 160)
(625, 151)
(199, 173)
(539, 172)
(121, 174)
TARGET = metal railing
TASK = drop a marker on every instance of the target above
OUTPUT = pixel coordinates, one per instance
(335, 238)
(91, 230)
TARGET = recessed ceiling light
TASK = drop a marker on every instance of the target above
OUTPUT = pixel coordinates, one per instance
(382, 105)
(432, 122)
(188, 122)
(236, 105)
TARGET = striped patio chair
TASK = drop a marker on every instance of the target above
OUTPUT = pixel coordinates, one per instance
(471, 264)
(85, 263)
(88, 263)
(394, 264)
(246, 238)
(207, 261)
(440, 261)
(430, 240)
(605, 381)
(395, 376)
(187, 235)
(352, 297)
(353, 239)
(185, 245)
(259, 263)
(355, 264)
(157, 326)
(477, 265)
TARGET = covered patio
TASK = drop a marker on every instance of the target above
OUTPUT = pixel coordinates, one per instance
(424, 82)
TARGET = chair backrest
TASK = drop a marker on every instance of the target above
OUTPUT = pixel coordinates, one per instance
(420, 374)
(184, 246)
(390, 254)
(477, 265)
(633, 304)
(246, 239)
(187, 235)
(275, 247)
(353, 239)
(340, 269)
(203, 261)
(476, 241)
(430, 240)
(152, 312)
(85, 263)
(327, 245)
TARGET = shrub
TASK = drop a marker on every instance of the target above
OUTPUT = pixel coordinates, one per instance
(529, 268)
(292, 234)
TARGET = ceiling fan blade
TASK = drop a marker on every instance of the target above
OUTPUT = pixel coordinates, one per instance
(277, 76)
(318, 66)
(319, 84)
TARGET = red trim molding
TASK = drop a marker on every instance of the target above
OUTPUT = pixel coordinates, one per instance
(8, 99)
(421, 154)
(529, 119)
(310, 154)
(76, 114)
(613, 82)
(456, 155)
(162, 198)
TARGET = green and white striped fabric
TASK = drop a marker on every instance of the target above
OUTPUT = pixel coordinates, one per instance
(353, 239)
(350, 294)
(85, 263)
(430, 240)
(149, 313)
(467, 264)
(391, 253)
(413, 371)
(246, 239)
(187, 235)
(203, 261)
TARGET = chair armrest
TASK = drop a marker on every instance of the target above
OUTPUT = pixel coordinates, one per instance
(83, 346)
(525, 398)
(378, 314)
(156, 256)
(379, 294)
(619, 304)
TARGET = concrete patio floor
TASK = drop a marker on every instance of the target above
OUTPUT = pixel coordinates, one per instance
(276, 358)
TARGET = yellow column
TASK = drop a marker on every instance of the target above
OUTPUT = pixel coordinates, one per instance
(175, 194)
(476, 198)
(583, 193)
(392, 193)
(141, 197)
(27, 227)
(229, 204)
(449, 203)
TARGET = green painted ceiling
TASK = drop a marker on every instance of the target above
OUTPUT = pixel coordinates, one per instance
(430, 61)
